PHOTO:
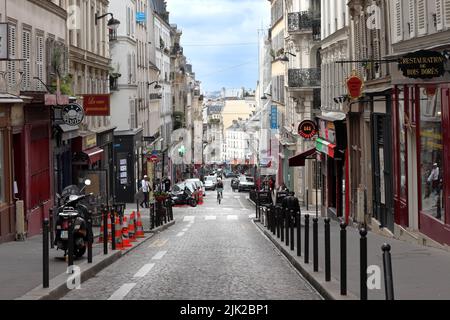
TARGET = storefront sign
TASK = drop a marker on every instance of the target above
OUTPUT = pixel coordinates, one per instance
(422, 65)
(274, 118)
(327, 131)
(4, 34)
(72, 114)
(97, 105)
(140, 17)
(307, 129)
(89, 141)
(355, 86)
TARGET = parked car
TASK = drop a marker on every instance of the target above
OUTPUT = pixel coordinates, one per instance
(210, 182)
(235, 184)
(199, 184)
(231, 174)
(246, 184)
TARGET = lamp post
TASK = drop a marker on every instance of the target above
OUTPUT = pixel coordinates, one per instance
(113, 24)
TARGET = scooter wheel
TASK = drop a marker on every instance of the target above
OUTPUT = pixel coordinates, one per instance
(193, 203)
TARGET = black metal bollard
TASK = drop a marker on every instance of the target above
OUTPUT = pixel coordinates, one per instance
(51, 227)
(105, 230)
(363, 264)
(71, 249)
(307, 238)
(282, 223)
(272, 219)
(45, 255)
(292, 222)
(298, 220)
(327, 251)
(343, 259)
(387, 266)
(90, 238)
(278, 223)
(287, 225)
(113, 228)
(307, 200)
(316, 244)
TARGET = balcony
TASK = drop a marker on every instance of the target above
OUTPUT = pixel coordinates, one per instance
(304, 78)
(304, 22)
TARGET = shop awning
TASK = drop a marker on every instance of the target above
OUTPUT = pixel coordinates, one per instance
(325, 147)
(299, 160)
(94, 154)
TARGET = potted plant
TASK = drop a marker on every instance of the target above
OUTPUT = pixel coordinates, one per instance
(161, 196)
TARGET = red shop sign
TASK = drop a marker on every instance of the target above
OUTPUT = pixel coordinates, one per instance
(97, 105)
(355, 86)
(307, 129)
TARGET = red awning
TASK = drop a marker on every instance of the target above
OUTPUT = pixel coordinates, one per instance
(299, 160)
(94, 154)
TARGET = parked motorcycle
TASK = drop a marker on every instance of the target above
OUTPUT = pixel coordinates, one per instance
(183, 197)
(75, 214)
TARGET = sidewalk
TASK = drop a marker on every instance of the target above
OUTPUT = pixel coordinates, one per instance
(419, 273)
(21, 262)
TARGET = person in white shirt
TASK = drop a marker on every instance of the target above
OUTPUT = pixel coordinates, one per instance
(145, 186)
(433, 179)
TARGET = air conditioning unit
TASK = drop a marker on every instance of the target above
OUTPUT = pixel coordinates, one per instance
(20, 221)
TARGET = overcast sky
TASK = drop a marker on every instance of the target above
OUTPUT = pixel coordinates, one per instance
(220, 39)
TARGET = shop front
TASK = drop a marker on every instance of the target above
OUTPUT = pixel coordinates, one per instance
(332, 144)
(105, 141)
(422, 148)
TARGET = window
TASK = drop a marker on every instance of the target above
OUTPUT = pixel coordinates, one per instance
(26, 54)
(402, 141)
(40, 61)
(11, 65)
(2, 170)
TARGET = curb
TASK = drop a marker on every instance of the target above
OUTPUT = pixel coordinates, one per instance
(58, 287)
(328, 290)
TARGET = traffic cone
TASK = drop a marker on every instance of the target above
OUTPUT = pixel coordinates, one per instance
(132, 228)
(109, 227)
(118, 235)
(125, 236)
(200, 197)
(139, 227)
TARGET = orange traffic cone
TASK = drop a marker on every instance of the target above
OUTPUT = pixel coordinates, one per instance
(139, 227)
(118, 235)
(125, 237)
(109, 227)
(132, 228)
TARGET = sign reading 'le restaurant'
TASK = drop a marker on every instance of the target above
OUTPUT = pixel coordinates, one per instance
(422, 65)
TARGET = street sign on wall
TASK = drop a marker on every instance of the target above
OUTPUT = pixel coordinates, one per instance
(274, 118)
(97, 105)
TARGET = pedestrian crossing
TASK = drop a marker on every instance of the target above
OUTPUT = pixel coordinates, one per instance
(225, 217)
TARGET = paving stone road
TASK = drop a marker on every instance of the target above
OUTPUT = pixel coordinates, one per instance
(213, 252)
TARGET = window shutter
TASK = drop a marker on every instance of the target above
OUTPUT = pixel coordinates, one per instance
(129, 68)
(422, 17)
(11, 65)
(132, 115)
(398, 21)
(128, 21)
(26, 54)
(446, 12)
(40, 61)
(412, 18)
(439, 15)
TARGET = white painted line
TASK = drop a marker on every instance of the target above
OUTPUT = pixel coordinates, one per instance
(180, 234)
(144, 270)
(252, 216)
(228, 209)
(232, 217)
(185, 229)
(210, 217)
(189, 218)
(122, 291)
(237, 197)
(240, 202)
(159, 255)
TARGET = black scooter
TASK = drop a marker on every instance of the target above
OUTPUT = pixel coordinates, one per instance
(183, 197)
(73, 214)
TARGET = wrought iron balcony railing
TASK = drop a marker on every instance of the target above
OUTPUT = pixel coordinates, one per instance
(304, 78)
(304, 21)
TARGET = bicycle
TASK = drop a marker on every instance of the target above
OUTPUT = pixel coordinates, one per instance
(219, 195)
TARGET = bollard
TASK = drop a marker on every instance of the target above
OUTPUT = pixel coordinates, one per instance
(287, 225)
(298, 220)
(316, 244)
(45, 255)
(307, 239)
(51, 227)
(282, 224)
(113, 228)
(90, 238)
(70, 240)
(363, 264)
(387, 266)
(307, 200)
(343, 259)
(292, 222)
(327, 251)
(105, 230)
(278, 221)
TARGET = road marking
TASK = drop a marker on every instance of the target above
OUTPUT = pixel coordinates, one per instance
(159, 255)
(232, 217)
(237, 197)
(144, 270)
(185, 229)
(210, 217)
(228, 209)
(240, 202)
(158, 243)
(252, 216)
(122, 291)
(180, 234)
(189, 218)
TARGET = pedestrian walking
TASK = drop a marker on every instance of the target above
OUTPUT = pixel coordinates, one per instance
(433, 179)
(167, 184)
(145, 188)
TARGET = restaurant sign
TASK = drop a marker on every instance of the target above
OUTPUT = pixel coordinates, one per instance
(307, 129)
(96, 105)
(422, 65)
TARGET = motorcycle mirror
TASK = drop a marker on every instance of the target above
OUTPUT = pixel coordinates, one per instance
(87, 182)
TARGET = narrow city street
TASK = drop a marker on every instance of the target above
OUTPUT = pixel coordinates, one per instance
(212, 252)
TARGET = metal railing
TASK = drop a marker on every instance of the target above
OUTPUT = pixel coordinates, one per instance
(304, 21)
(304, 78)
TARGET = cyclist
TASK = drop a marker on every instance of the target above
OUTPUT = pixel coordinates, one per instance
(219, 188)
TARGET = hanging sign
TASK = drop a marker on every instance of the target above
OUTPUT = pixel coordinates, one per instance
(307, 129)
(274, 118)
(72, 114)
(422, 64)
(354, 86)
(97, 105)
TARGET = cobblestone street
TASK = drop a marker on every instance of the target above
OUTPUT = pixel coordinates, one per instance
(212, 252)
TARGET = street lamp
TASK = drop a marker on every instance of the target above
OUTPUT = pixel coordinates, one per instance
(285, 57)
(157, 86)
(113, 24)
